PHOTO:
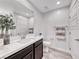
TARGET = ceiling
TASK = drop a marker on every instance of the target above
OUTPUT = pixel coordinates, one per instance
(12, 5)
(48, 5)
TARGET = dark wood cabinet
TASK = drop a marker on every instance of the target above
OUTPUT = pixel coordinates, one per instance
(39, 49)
(39, 52)
(29, 56)
(22, 53)
(34, 51)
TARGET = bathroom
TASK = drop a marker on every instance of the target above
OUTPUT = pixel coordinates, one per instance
(54, 23)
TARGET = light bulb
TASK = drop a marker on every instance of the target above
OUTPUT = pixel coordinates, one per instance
(58, 2)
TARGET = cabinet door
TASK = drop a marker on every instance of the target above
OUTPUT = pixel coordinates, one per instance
(39, 51)
(29, 56)
(75, 44)
(14, 56)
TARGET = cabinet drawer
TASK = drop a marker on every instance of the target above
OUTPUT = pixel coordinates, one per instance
(20, 54)
(38, 42)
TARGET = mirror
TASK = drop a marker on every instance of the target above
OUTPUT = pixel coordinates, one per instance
(23, 22)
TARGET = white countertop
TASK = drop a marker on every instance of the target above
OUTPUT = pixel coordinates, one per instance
(12, 48)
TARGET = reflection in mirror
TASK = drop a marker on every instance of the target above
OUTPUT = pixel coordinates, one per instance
(23, 21)
(6, 24)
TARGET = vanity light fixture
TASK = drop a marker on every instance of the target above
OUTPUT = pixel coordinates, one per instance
(58, 2)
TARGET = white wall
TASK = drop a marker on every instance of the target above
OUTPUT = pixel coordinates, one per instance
(56, 18)
(48, 22)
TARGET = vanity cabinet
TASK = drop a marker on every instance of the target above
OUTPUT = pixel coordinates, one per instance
(29, 56)
(22, 54)
(34, 51)
(39, 49)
